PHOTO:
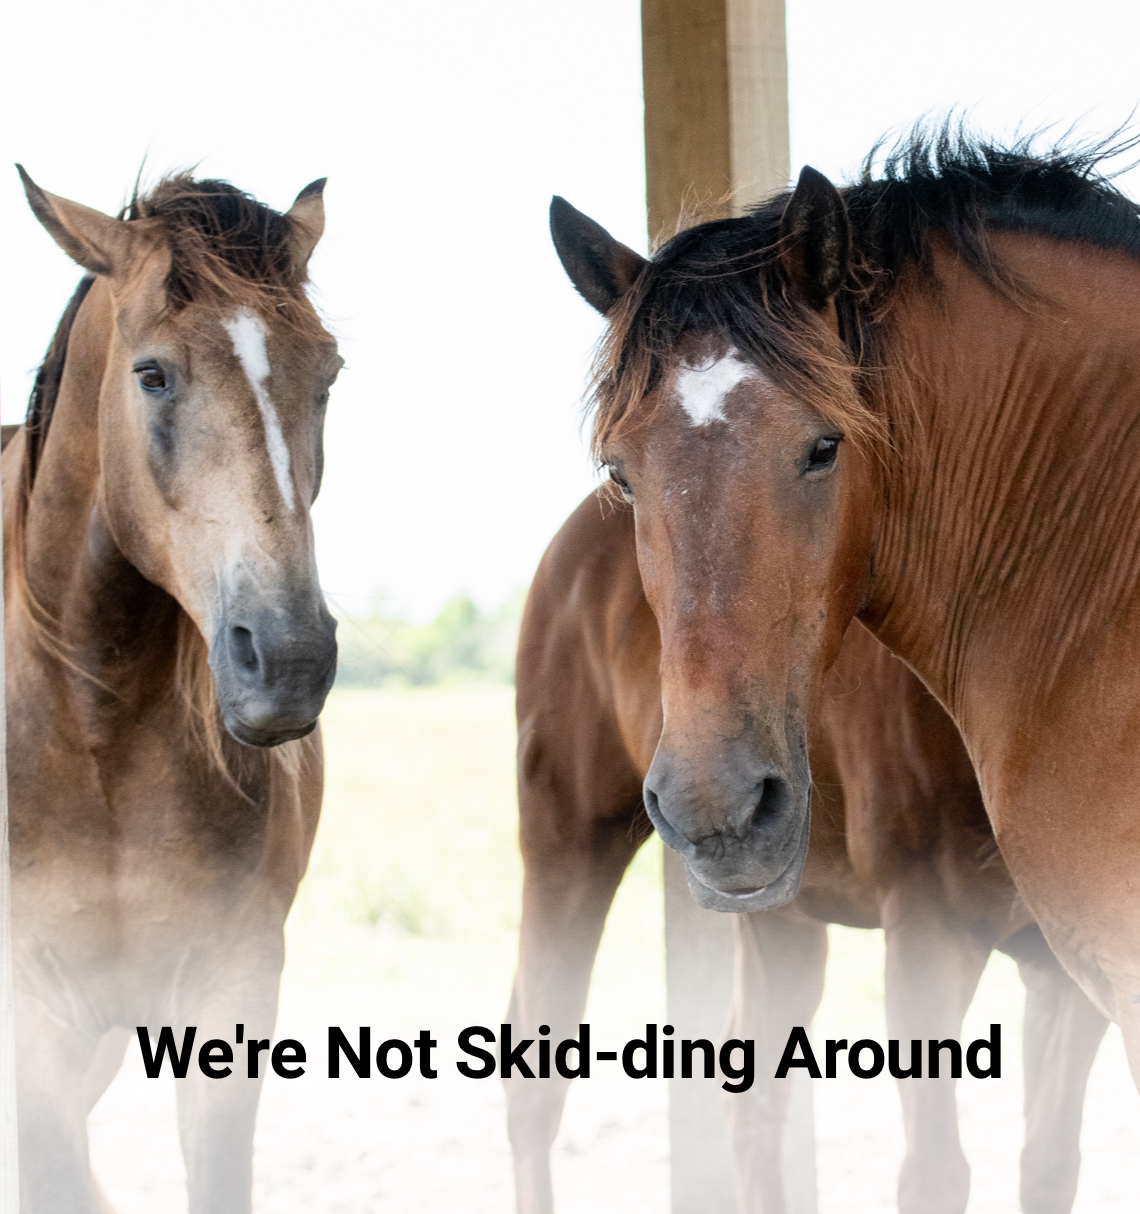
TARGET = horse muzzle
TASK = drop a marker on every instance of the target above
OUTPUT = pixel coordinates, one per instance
(273, 673)
(743, 837)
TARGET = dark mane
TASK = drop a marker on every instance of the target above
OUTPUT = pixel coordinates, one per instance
(723, 277)
(45, 388)
(225, 246)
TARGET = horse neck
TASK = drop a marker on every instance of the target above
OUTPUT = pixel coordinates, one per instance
(1009, 558)
(84, 603)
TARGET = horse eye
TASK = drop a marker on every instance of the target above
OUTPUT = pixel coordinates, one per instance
(152, 379)
(621, 482)
(822, 454)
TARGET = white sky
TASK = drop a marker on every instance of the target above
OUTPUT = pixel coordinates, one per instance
(453, 443)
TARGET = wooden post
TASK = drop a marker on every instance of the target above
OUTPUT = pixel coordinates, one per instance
(688, 130)
(9, 1176)
(716, 104)
(716, 140)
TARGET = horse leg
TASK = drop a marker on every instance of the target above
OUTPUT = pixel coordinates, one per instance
(51, 1063)
(105, 1064)
(780, 960)
(216, 1116)
(567, 892)
(933, 966)
(1062, 1034)
(216, 1122)
(104, 1067)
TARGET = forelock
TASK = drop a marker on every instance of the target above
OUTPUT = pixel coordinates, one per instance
(226, 249)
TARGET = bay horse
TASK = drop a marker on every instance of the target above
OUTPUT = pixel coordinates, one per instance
(912, 401)
(168, 652)
(899, 839)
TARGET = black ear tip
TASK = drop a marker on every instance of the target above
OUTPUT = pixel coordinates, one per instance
(565, 218)
(312, 190)
(813, 177)
(32, 191)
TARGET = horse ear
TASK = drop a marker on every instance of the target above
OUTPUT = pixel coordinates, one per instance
(600, 267)
(308, 216)
(815, 239)
(89, 237)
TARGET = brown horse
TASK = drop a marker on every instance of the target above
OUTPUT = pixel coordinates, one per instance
(160, 583)
(913, 401)
(899, 838)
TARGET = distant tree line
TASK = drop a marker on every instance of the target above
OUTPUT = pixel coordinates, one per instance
(462, 644)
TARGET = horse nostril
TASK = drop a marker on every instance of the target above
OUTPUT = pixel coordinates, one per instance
(669, 835)
(770, 802)
(242, 650)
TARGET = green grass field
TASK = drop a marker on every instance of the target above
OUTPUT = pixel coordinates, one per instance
(416, 868)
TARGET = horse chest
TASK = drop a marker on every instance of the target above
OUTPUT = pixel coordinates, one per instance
(137, 810)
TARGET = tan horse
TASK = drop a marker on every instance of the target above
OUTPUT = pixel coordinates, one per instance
(899, 838)
(913, 402)
(159, 583)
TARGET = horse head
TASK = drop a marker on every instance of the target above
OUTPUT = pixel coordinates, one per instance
(726, 406)
(204, 372)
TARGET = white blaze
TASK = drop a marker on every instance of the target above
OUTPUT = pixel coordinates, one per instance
(702, 389)
(247, 332)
